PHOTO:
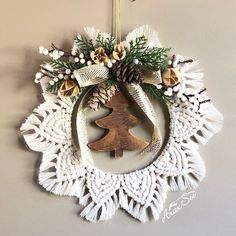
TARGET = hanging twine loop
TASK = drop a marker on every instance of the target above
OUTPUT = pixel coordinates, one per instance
(116, 20)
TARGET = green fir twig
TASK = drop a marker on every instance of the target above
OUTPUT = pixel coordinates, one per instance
(55, 87)
(155, 93)
(84, 44)
(153, 58)
(136, 47)
(107, 43)
(63, 65)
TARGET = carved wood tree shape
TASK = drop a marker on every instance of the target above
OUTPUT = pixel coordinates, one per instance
(118, 122)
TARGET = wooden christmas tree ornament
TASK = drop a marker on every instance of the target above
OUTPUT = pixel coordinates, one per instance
(118, 122)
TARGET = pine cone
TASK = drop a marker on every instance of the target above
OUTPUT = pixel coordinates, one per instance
(101, 95)
(127, 73)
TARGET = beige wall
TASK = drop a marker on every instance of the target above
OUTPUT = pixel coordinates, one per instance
(201, 28)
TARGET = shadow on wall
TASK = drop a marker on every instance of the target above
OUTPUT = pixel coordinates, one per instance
(17, 71)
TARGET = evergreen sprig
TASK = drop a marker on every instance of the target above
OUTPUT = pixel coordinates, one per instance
(136, 47)
(63, 65)
(84, 44)
(109, 82)
(55, 87)
(107, 43)
(153, 58)
(155, 93)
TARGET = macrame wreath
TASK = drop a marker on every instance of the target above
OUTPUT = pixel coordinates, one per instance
(95, 73)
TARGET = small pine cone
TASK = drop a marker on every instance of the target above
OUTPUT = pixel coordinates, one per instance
(101, 95)
(127, 73)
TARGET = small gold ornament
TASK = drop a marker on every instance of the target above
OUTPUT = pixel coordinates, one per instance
(69, 88)
(99, 56)
(170, 77)
(119, 52)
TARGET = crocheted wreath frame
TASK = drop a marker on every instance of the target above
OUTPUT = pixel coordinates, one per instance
(65, 170)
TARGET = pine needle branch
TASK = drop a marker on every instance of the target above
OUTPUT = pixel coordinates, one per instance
(63, 65)
(155, 93)
(136, 47)
(106, 43)
(84, 44)
(154, 58)
(55, 87)
(150, 58)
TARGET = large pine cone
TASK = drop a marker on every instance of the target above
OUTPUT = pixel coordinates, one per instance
(101, 95)
(126, 73)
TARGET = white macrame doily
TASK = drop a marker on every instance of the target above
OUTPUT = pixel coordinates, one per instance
(178, 168)
(142, 193)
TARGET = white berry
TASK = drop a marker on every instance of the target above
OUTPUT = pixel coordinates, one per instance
(82, 61)
(45, 51)
(175, 63)
(109, 64)
(89, 63)
(41, 48)
(73, 52)
(184, 99)
(36, 81)
(170, 91)
(55, 55)
(81, 55)
(38, 75)
(159, 86)
(113, 61)
(60, 76)
(68, 71)
(51, 82)
(176, 88)
(55, 79)
(136, 61)
(76, 59)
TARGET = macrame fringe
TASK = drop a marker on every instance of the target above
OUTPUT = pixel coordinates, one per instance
(101, 211)
(192, 77)
(190, 177)
(179, 167)
(152, 208)
(212, 123)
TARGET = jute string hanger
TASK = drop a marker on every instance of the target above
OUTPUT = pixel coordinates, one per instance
(116, 18)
